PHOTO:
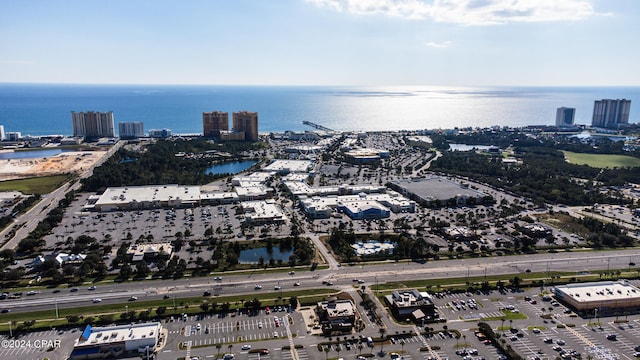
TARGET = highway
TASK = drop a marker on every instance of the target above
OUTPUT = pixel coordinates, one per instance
(39, 211)
(342, 278)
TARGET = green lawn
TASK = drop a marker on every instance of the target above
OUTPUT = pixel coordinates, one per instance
(601, 160)
(38, 185)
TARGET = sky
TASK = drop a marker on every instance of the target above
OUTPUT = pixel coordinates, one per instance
(321, 42)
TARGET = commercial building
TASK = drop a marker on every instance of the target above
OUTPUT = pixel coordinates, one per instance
(149, 252)
(565, 116)
(131, 130)
(439, 191)
(608, 113)
(163, 133)
(246, 122)
(412, 304)
(214, 122)
(2, 134)
(13, 136)
(336, 316)
(92, 125)
(284, 167)
(117, 341)
(263, 212)
(364, 210)
(145, 197)
(606, 297)
(366, 155)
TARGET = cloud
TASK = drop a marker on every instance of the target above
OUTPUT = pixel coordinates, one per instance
(467, 12)
(440, 45)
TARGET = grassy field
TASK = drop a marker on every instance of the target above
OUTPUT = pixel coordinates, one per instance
(39, 185)
(601, 160)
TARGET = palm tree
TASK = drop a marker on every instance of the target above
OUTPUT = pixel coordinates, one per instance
(218, 346)
(402, 346)
(502, 326)
(327, 348)
(382, 332)
(230, 347)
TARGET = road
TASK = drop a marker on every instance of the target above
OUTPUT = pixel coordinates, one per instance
(342, 278)
(39, 211)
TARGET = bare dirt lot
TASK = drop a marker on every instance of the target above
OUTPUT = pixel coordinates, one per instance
(66, 162)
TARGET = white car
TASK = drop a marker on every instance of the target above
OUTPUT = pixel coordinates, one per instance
(277, 287)
(258, 287)
(246, 347)
(97, 300)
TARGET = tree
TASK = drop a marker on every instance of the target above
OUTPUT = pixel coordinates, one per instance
(382, 332)
(125, 271)
(142, 270)
(293, 301)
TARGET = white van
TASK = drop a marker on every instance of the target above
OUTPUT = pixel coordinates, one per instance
(369, 341)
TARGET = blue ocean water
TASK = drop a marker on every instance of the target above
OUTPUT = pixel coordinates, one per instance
(39, 109)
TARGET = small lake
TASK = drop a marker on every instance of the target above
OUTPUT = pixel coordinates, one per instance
(465, 147)
(252, 256)
(230, 167)
(31, 154)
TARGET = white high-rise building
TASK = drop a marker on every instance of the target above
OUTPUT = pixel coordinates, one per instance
(2, 134)
(92, 124)
(608, 113)
(565, 116)
(131, 130)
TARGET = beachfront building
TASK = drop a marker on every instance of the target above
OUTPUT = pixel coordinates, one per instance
(161, 133)
(92, 124)
(608, 113)
(247, 122)
(131, 130)
(214, 122)
(117, 341)
(606, 297)
(565, 116)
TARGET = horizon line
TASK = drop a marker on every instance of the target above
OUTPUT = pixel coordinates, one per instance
(311, 85)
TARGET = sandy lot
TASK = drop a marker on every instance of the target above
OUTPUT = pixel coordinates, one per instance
(63, 163)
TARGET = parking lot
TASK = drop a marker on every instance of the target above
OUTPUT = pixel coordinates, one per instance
(563, 335)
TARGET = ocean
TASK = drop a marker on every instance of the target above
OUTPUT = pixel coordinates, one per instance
(39, 109)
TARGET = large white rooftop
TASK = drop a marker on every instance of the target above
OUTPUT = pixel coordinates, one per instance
(289, 166)
(600, 291)
(111, 334)
(157, 193)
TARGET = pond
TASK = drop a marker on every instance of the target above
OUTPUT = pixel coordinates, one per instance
(31, 154)
(465, 147)
(230, 167)
(252, 256)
